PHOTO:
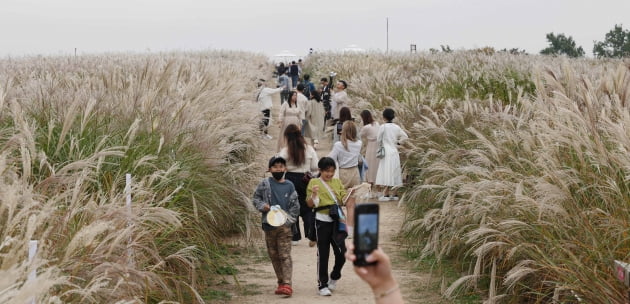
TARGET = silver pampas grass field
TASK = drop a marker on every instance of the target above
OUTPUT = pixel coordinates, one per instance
(183, 126)
(516, 171)
(517, 168)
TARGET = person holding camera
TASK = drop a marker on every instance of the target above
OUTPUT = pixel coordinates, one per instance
(325, 96)
(378, 275)
(339, 99)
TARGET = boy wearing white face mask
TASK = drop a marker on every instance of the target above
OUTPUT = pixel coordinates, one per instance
(277, 193)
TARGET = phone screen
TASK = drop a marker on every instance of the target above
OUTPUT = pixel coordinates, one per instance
(367, 232)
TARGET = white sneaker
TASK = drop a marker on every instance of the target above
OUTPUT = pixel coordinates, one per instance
(393, 198)
(316, 142)
(332, 284)
(383, 199)
(325, 292)
(295, 243)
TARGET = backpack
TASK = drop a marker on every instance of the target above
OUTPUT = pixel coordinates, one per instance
(307, 89)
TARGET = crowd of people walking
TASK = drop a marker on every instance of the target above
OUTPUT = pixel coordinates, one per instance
(321, 187)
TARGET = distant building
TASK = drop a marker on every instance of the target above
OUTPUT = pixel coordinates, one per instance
(285, 56)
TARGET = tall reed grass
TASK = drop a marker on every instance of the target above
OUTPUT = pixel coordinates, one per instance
(517, 168)
(182, 124)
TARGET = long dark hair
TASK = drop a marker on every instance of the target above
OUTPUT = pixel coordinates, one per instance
(291, 97)
(366, 116)
(315, 95)
(296, 145)
(345, 114)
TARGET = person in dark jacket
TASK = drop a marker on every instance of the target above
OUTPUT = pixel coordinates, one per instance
(278, 195)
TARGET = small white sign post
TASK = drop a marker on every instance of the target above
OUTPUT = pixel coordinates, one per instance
(128, 203)
(32, 250)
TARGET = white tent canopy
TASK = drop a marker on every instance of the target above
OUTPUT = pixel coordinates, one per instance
(284, 56)
(353, 48)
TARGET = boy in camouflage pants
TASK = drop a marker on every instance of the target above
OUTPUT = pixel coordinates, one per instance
(272, 191)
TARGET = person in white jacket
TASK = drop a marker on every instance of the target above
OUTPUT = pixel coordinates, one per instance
(339, 99)
(263, 97)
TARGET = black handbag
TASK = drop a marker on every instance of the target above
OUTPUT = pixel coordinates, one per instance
(334, 212)
(307, 177)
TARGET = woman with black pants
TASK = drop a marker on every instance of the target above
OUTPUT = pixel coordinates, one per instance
(301, 159)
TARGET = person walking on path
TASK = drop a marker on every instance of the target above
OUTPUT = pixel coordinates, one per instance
(301, 102)
(339, 99)
(273, 193)
(280, 69)
(301, 161)
(389, 173)
(322, 194)
(344, 115)
(294, 73)
(283, 82)
(369, 134)
(346, 153)
(308, 85)
(263, 97)
(290, 113)
(315, 113)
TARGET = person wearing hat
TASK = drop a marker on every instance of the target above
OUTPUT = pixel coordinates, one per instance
(277, 200)
(263, 97)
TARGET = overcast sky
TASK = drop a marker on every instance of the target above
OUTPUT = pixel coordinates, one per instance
(57, 27)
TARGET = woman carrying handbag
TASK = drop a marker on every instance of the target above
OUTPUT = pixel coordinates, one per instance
(301, 161)
(325, 194)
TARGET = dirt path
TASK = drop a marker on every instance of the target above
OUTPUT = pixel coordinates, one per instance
(257, 281)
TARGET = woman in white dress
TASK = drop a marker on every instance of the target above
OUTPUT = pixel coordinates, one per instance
(389, 172)
(315, 113)
(369, 134)
(289, 114)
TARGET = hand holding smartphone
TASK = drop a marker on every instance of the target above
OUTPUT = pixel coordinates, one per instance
(366, 217)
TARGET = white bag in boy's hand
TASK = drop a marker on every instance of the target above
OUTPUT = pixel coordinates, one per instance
(276, 216)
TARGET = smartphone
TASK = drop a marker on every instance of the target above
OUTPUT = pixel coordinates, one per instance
(365, 232)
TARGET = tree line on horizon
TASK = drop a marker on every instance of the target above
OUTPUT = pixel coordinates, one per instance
(616, 44)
